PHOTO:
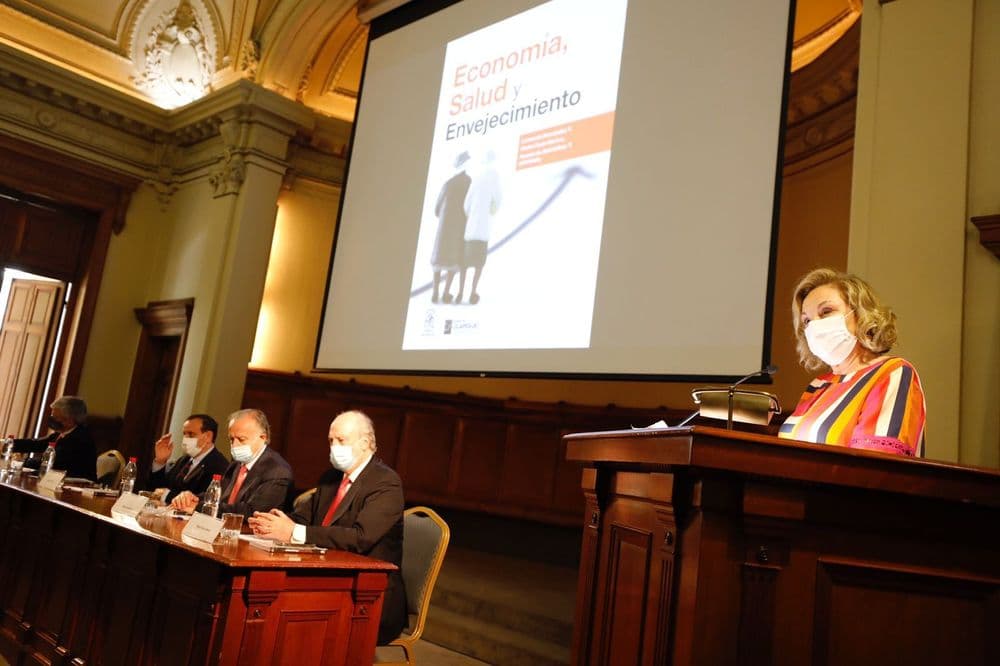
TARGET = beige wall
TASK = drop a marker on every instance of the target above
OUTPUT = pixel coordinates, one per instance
(922, 166)
(296, 277)
(210, 241)
(127, 280)
(197, 246)
(979, 411)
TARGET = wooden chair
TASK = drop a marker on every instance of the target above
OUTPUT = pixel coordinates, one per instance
(425, 540)
(109, 468)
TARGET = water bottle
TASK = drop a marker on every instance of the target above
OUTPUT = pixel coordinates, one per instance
(8, 450)
(48, 459)
(128, 476)
(213, 494)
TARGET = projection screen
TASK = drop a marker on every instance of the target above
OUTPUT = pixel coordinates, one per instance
(579, 188)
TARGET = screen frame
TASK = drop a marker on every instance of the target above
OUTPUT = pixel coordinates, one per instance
(415, 10)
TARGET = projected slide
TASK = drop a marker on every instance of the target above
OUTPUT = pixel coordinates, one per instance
(509, 238)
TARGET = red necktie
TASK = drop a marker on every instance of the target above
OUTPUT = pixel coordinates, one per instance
(239, 484)
(185, 470)
(341, 491)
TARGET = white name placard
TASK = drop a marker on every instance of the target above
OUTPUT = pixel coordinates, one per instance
(50, 480)
(203, 527)
(129, 505)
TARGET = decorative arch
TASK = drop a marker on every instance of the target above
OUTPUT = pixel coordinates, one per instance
(292, 37)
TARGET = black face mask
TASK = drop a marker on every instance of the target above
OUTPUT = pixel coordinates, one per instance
(55, 424)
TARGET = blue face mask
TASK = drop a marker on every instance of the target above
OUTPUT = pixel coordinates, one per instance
(342, 457)
(242, 453)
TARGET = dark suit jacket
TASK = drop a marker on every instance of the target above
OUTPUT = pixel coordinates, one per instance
(178, 479)
(76, 452)
(267, 486)
(369, 521)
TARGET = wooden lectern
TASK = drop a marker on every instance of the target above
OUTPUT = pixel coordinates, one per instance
(708, 546)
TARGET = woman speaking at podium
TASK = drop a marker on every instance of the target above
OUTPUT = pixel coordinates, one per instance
(870, 400)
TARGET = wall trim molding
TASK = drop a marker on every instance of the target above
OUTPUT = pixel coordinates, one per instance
(216, 136)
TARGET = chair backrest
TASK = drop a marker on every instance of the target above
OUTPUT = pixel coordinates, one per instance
(303, 499)
(425, 541)
(109, 468)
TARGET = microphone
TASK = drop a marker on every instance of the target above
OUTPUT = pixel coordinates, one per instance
(766, 370)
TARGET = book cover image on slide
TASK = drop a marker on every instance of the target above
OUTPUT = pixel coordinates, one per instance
(509, 242)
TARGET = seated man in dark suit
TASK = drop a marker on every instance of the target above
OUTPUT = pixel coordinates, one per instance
(76, 452)
(357, 507)
(193, 471)
(258, 479)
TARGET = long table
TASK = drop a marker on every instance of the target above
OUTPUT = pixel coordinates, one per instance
(80, 587)
(708, 546)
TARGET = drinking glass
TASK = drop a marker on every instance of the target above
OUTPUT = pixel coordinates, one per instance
(16, 462)
(232, 523)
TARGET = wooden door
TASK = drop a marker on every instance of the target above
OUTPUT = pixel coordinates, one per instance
(154, 377)
(27, 337)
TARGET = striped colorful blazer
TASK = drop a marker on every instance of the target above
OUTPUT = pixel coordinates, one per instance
(879, 407)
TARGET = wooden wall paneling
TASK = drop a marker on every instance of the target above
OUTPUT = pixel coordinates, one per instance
(106, 431)
(183, 619)
(274, 403)
(127, 599)
(64, 565)
(912, 616)
(307, 447)
(620, 607)
(295, 619)
(625, 605)
(708, 577)
(479, 455)
(529, 469)
(424, 462)
(53, 241)
(11, 221)
(34, 524)
(5, 519)
(19, 570)
(566, 495)
(658, 636)
(86, 635)
(388, 422)
(586, 587)
(475, 441)
(285, 611)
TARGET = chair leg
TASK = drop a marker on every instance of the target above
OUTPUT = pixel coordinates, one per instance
(409, 657)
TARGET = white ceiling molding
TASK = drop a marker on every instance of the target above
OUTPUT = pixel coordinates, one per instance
(174, 50)
(215, 137)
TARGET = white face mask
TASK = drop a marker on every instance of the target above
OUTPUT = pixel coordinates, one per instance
(829, 339)
(241, 453)
(342, 457)
(191, 446)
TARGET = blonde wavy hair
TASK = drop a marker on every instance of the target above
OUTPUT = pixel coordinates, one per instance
(876, 322)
